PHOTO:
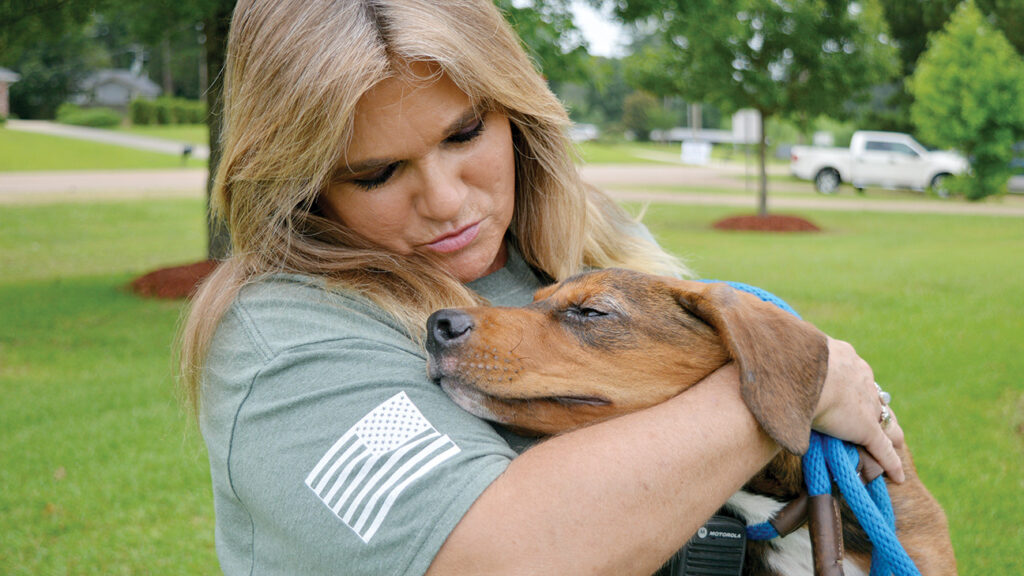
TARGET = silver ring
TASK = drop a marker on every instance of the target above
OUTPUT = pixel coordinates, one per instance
(884, 396)
(886, 417)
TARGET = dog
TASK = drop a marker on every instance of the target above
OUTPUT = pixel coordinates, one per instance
(641, 339)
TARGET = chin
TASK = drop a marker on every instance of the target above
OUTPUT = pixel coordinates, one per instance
(471, 268)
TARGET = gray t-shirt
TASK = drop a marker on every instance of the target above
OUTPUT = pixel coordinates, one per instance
(330, 450)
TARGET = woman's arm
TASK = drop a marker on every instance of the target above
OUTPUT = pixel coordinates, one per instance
(621, 496)
(618, 497)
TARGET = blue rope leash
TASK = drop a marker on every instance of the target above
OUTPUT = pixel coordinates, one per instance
(829, 460)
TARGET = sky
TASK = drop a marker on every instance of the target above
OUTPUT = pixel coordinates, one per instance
(604, 36)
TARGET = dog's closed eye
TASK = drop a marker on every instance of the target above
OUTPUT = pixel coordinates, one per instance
(584, 312)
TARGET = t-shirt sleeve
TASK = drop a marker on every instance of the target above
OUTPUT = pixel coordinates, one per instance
(345, 458)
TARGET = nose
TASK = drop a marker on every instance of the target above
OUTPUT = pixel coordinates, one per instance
(447, 328)
(442, 191)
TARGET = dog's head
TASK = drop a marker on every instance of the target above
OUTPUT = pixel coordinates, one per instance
(610, 342)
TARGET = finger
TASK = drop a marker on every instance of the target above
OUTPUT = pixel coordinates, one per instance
(882, 449)
(894, 431)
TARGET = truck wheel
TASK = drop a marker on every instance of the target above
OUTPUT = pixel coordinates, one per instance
(939, 187)
(827, 181)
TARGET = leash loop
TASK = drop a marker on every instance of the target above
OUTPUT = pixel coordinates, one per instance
(873, 509)
(829, 459)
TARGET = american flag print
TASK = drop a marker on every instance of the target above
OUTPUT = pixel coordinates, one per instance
(366, 470)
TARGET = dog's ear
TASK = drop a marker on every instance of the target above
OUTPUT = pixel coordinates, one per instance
(782, 360)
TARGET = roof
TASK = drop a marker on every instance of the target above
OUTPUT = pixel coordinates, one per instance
(125, 77)
(8, 76)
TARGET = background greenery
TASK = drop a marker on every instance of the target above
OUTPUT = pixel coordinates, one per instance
(103, 474)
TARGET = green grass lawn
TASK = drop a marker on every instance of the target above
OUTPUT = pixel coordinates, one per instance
(26, 151)
(195, 134)
(102, 474)
(934, 303)
(596, 152)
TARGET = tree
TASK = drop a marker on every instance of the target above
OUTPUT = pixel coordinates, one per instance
(549, 34)
(48, 43)
(779, 57)
(968, 89)
(169, 33)
(30, 22)
(51, 72)
(910, 24)
(638, 110)
(213, 17)
(147, 21)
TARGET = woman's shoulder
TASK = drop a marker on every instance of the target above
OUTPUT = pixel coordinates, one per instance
(286, 311)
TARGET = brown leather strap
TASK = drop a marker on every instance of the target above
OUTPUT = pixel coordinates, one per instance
(826, 535)
(791, 517)
(825, 522)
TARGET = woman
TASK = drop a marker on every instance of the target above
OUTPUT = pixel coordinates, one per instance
(382, 160)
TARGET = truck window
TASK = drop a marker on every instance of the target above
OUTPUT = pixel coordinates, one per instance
(903, 149)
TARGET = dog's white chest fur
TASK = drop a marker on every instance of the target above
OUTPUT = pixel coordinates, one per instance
(791, 555)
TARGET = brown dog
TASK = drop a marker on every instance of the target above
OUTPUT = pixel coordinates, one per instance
(641, 339)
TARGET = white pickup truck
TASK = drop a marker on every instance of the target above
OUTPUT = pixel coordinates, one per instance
(886, 159)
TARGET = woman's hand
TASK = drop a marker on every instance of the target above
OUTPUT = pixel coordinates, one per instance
(850, 408)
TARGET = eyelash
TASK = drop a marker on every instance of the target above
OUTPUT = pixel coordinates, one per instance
(377, 178)
(382, 175)
(467, 134)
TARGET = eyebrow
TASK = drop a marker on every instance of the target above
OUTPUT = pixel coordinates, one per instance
(348, 170)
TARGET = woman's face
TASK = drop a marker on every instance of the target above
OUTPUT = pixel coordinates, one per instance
(427, 171)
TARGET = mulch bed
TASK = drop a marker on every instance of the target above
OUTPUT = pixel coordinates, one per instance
(769, 223)
(173, 283)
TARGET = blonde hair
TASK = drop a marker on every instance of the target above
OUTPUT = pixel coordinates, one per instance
(294, 74)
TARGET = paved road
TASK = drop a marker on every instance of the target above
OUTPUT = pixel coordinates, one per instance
(626, 182)
(34, 187)
(646, 184)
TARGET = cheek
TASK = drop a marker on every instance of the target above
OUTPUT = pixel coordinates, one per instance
(379, 218)
(491, 169)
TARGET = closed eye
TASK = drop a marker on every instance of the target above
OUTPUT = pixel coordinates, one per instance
(467, 133)
(376, 178)
(584, 312)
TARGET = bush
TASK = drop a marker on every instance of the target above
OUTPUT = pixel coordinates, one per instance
(167, 111)
(967, 91)
(142, 112)
(162, 111)
(92, 117)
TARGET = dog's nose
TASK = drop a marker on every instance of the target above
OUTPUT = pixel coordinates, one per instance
(447, 327)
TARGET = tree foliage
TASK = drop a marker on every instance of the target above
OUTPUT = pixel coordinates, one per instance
(797, 58)
(51, 72)
(25, 23)
(549, 34)
(968, 90)
(47, 43)
(910, 23)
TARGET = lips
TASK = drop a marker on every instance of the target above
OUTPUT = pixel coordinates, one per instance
(454, 241)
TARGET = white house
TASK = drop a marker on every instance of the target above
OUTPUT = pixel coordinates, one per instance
(7, 78)
(115, 89)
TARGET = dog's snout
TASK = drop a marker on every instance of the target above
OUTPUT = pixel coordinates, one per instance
(446, 328)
